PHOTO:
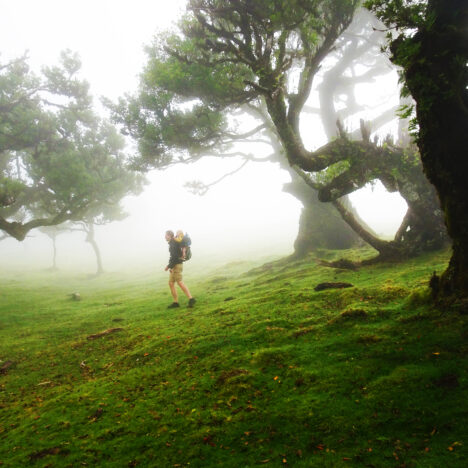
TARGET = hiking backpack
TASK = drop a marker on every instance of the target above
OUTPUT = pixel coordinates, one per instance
(188, 251)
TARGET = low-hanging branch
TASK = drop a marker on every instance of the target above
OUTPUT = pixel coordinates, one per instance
(19, 230)
(201, 188)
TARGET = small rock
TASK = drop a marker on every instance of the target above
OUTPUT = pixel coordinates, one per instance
(75, 296)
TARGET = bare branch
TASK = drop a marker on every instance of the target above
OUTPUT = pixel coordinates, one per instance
(243, 136)
(247, 156)
(200, 188)
(375, 242)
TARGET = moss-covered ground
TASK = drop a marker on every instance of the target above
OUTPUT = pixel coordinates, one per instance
(263, 371)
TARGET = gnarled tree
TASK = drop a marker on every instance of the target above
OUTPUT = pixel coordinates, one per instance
(259, 58)
(350, 165)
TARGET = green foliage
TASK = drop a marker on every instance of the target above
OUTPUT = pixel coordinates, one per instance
(9, 190)
(278, 374)
(414, 22)
(58, 159)
(402, 14)
(224, 56)
(331, 172)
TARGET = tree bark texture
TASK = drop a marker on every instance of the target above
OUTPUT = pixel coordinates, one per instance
(436, 76)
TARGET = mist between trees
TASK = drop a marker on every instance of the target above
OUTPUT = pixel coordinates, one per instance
(265, 82)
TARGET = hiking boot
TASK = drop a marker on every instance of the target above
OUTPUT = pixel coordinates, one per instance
(173, 305)
(191, 302)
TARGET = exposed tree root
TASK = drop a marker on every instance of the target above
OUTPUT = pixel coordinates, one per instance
(343, 264)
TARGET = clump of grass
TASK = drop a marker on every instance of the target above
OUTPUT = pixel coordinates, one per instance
(419, 297)
(277, 356)
(350, 315)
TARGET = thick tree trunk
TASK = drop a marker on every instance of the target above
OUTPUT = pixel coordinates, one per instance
(437, 78)
(320, 225)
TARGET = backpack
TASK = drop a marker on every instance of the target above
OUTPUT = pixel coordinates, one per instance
(187, 244)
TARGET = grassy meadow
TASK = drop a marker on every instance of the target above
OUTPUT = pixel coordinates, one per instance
(264, 371)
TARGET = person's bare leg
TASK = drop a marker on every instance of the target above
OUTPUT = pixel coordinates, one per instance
(173, 291)
(184, 288)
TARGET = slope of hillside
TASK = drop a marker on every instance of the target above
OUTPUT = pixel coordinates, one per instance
(263, 371)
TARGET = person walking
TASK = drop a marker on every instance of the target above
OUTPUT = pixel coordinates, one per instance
(175, 267)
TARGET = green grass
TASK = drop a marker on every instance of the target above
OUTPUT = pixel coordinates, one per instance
(263, 371)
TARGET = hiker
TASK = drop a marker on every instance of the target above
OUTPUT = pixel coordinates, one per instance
(175, 267)
(185, 242)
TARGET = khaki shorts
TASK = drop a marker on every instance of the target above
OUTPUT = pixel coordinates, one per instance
(176, 273)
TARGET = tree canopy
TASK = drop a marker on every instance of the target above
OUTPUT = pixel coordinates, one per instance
(258, 61)
(58, 159)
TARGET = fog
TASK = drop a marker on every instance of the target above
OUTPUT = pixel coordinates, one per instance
(245, 216)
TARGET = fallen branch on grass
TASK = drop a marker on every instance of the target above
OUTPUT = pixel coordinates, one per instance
(103, 333)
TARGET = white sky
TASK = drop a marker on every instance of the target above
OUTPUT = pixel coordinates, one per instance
(247, 213)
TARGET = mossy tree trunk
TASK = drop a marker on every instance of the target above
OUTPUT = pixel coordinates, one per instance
(434, 63)
(320, 224)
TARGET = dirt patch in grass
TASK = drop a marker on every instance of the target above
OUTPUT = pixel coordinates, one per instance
(227, 375)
